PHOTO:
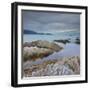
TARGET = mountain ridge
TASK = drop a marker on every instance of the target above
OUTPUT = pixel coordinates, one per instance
(33, 32)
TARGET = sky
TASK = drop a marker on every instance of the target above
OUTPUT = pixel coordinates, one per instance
(41, 21)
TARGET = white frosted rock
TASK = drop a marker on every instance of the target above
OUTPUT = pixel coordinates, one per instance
(67, 66)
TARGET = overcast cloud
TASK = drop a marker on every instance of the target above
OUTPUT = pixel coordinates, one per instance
(50, 21)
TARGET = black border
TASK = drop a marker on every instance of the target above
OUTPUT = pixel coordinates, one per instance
(14, 43)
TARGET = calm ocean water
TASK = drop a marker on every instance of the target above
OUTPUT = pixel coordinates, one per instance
(70, 35)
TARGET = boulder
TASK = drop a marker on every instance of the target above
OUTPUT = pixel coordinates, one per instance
(63, 41)
(39, 49)
(77, 41)
(33, 53)
(43, 44)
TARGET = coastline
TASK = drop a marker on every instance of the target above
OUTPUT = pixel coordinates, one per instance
(47, 59)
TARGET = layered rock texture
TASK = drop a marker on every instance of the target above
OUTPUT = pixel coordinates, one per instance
(37, 50)
(64, 66)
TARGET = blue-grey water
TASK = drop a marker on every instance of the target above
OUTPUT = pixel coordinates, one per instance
(70, 35)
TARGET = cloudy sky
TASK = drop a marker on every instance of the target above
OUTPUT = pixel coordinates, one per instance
(50, 21)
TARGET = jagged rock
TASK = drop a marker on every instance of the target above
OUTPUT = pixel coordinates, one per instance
(64, 66)
(74, 64)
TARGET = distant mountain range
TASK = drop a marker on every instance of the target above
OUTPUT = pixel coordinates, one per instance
(33, 32)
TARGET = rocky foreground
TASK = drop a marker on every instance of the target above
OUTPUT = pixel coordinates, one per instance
(64, 66)
(33, 51)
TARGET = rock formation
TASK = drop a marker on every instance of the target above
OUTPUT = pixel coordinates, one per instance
(64, 66)
(39, 49)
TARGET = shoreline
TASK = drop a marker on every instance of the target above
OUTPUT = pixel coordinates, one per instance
(50, 58)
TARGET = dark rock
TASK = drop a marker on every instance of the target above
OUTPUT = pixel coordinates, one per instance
(77, 41)
(62, 41)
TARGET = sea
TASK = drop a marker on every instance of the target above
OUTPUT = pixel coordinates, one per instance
(65, 35)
